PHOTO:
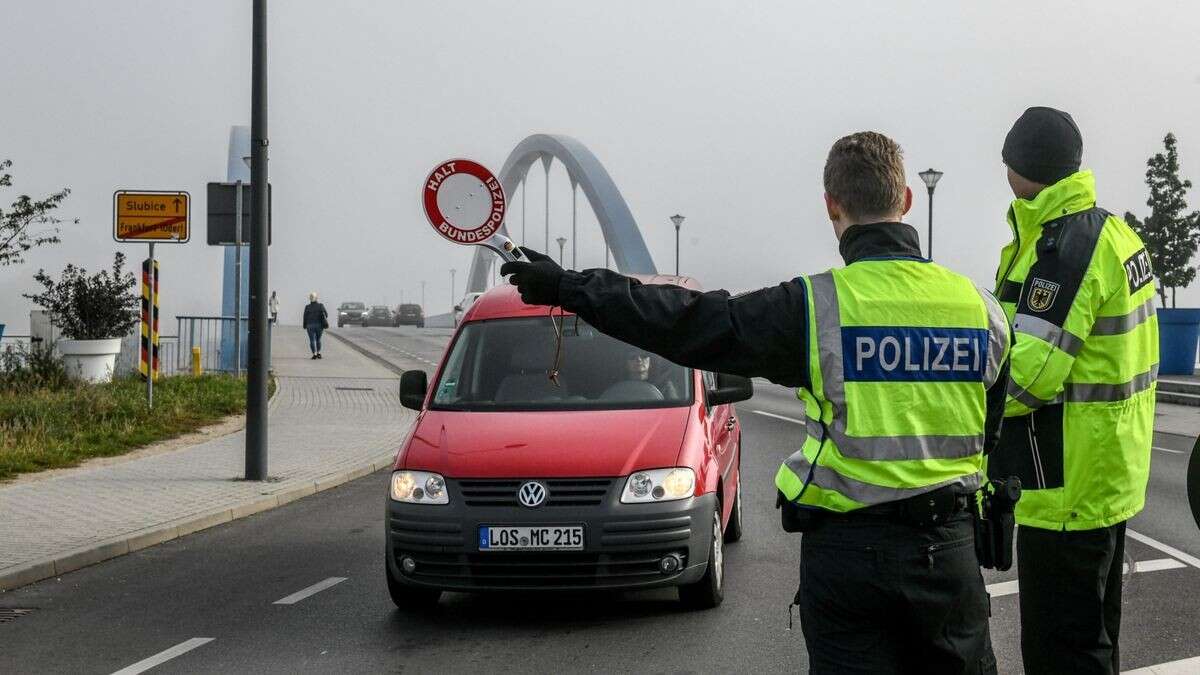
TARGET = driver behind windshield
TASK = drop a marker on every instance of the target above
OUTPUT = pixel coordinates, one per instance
(638, 368)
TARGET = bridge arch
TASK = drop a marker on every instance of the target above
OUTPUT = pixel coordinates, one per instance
(620, 230)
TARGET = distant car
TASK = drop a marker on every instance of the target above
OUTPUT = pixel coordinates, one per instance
(624, 473)
(461, 308)
(350, 313)
(380, 315)
(409, 315)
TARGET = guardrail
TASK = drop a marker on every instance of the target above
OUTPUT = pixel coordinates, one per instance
(213, 335)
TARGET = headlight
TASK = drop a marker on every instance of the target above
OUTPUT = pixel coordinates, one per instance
(659, 485)
(419, 487)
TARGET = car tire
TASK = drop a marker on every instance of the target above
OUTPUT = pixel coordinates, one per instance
(733, 531)
(409, 598)
(709, 591)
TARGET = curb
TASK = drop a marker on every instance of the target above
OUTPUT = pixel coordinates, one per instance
(53, 566)
(368, 353)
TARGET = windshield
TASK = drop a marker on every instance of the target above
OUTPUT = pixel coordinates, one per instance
(503, 364)
(352, 305)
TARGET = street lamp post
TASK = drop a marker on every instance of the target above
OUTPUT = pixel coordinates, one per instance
(452, 270)
(422, 297)
(562, 241)
(931, 178)
(260, 345)
(677, 220)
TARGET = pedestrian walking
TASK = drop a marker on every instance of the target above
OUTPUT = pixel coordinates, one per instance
(316, 320)
(881, 489)
(273, 307)
(1076, 283)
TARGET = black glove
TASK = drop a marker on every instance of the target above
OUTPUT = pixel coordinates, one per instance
(537, 280)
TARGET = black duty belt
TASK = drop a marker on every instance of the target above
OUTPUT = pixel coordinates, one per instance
(923, 510)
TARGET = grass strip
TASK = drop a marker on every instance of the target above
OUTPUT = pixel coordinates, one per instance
(53, 428)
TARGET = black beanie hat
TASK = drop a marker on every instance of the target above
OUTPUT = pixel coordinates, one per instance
(1044, 145)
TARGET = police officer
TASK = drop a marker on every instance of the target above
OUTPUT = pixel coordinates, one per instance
(1076, 283)
(900, 365)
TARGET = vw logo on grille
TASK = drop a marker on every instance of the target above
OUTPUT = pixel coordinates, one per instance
(531, 494)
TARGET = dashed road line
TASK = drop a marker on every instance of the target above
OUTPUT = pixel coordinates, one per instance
(163, 656)
(1181, 667)
(402, 351)
(778, 417)
(311, 590)
(1002, 588)
(1169, 550)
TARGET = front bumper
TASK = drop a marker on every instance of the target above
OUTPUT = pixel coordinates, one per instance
(623, 543)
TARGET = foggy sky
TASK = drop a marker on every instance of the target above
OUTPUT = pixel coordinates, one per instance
(722, 112)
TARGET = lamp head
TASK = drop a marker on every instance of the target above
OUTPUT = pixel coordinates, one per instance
(677, 220)
(931, 178)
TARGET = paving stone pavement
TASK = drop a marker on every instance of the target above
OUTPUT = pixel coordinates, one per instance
(330, 421)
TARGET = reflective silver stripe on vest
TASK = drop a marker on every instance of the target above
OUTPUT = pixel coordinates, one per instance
(1056, 335)
(1027, 399)
(829, 338)
(1117, 325)
(867, 493)
(1078, 392)
(997, 337)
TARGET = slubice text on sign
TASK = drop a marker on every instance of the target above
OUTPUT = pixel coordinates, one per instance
(151, 216)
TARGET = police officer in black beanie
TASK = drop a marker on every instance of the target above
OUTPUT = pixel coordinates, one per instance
(1079, 418)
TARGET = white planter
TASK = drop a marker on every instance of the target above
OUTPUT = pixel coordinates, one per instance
(90, 360)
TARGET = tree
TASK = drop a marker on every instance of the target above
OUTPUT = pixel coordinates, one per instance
(28, 223)
(95, 307)
(1170, 235)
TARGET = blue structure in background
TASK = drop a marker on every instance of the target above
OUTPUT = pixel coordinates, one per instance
(236, 169)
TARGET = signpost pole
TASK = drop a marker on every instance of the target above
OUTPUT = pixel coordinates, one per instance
(256, 381)
(150, 342)
(237, 284)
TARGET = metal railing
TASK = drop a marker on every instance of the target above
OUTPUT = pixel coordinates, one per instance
(215, 337)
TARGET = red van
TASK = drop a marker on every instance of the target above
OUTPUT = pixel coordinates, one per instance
(623, 474)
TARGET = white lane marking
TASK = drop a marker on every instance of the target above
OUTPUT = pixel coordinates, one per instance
(1154, 565)
(778, 417)
(1173, 452)
(1181, 667)
(311, 590)
(397, 349)
(1169, 550)
(163, 656)
(1002, 588)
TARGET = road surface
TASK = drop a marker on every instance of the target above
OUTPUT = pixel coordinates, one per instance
(300, 589)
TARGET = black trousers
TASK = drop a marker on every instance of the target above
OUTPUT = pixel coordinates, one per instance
(1070, 599)
(877, 596)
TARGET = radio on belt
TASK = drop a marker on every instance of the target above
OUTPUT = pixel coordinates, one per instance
(465, 203)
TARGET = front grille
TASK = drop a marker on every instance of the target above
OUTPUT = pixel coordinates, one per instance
(621, 552)
(558, 569)
(560, 491)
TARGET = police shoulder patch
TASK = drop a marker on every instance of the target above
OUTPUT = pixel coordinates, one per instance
(1042, 294)
(1138, 271)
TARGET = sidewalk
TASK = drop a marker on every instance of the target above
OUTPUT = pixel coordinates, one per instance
(331, 421)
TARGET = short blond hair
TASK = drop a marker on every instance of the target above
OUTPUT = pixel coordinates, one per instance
(312, 297)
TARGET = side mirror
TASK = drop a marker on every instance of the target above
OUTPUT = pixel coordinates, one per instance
(730, 389)
(458, 308)
(413, 385)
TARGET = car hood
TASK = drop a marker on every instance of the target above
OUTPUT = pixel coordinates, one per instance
(545, 444)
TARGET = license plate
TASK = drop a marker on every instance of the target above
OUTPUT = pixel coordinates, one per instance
(531, 538)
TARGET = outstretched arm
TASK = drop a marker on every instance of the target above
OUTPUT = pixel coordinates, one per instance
(759, 334)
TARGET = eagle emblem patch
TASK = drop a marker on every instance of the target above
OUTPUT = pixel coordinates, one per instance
(1042, 294)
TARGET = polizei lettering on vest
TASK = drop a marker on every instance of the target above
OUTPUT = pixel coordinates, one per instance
(901, 353)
